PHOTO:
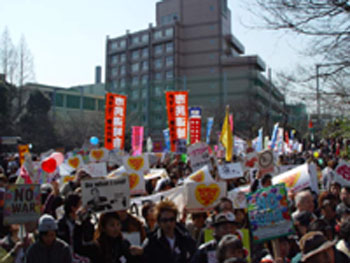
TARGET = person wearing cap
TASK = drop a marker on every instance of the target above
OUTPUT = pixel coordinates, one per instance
(49, 248)
(169, 243)
(224, 223)
(230, 246)
(315, 248)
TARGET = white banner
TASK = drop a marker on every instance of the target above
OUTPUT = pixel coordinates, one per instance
(106, 195)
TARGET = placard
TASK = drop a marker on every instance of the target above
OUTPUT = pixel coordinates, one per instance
(96, 169)
(265, 162)
(199, 155)
(269, 214)
(136, 167)
(75, 161)
(99, 155)
(230, 170)
(201, 176)
(22, 203)
(343, 173)
(101, 195)
(203, 196)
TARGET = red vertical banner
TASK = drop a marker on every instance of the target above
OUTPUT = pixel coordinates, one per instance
(137, 139)
(231, 121)
(115, 121)
(195, 124)
(177, 105)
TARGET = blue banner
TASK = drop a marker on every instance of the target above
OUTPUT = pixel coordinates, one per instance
(209, 127)
(259, 146)
(167, 140)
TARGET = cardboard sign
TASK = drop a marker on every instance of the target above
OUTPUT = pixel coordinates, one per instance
(230, 170)
(137, 140)
(115, 116)
(251, 160)
(75, 161)
(199, 155)
(136, 167)
(238, 198)
(177, 105)
(99, 155)
(295, 179)
(22, 203)
(201, 176)
(106, 195)
(265, 162)
(269, 214)
(203, 196)
(96, 169)
(343, 173)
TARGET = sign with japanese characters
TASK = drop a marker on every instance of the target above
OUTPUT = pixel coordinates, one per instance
(137, 139)
(195, 124)
(199, 155)
(230, 170)
(177, 107)
(115, 121)
(22, 150)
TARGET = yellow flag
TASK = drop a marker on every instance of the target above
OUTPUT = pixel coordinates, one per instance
(226, 136)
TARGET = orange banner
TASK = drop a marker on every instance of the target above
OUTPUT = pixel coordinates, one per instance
(115, 121)
(22, 150)
(177, 107)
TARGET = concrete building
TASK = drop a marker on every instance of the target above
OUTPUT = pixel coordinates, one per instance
(192, 48)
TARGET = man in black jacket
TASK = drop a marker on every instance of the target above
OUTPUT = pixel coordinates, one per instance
(169, 243)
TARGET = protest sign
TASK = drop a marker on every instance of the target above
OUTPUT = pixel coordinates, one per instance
(22, 203)
(201, 176)
(75, 161)
(295, 179)
(195, 121)
(137, 140)
(269, 214)
(238, 198)
(251, 160)
(343, 173)
(210, 123)
(99, 155)
(23, 149)
(203, 196)
(156, 173)
(103, 195)
(199, 155)
(96, 169)
(65, 169)
(115, 114)
(138, 163)
(230, 170)
(115, 157)
(265, 162)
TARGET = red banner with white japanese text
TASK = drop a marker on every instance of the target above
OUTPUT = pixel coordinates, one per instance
(195, 124)
(115, 121)
(177, 107)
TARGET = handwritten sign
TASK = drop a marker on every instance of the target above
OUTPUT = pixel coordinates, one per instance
(22, 203)
(106, 195)
(203, 196)
(269, 214)
(343, 173)
(230, 170)
(199, 155)
(96, 169)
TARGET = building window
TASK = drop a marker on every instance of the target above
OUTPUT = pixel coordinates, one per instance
(122, 43)
(135, 81)
(157, 90)
(144, 38)
(122, 70)
(114, 59)
(158, 76)
(122, 57)
(135, 94)
(114, 72)
(144, 93)
(59, 100)
(122, 83)
(158, 63)
(101, 105)
(114, 85)
(145, 52)
(169, 47)
(158, 49)
(73, 102)
(169, 19)
(114, 46)
(135, 40)
(169, 32)
(169, 61)
(135, 67)
(144, 79)
(169, 75)
(135, 54)
(157, 34)
(145, 65)
(89, 104)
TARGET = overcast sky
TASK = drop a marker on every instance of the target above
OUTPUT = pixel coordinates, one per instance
(68, 37)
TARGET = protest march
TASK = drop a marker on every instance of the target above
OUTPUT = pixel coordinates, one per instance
(237, 200)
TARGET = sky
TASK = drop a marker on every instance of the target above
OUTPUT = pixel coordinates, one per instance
(68, 37)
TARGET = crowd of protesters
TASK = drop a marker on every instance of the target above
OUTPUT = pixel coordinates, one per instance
(69, 232)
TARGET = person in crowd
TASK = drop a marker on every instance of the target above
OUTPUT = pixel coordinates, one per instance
(53, 200)
(197, 223)
(49, 248)
(10, 245)
(328, 212)
(343, 245)
(169, 243)
(230, 246)
(334, 189)
(73, 185)
(344, 199)
(132, 225)
(224, 224)
(304, 201)
(328, 174)
(109, 245)
(149, 215)
(322, 226)
(241, 218)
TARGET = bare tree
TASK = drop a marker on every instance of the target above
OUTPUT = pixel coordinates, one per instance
(8, 56)
(25, 63)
